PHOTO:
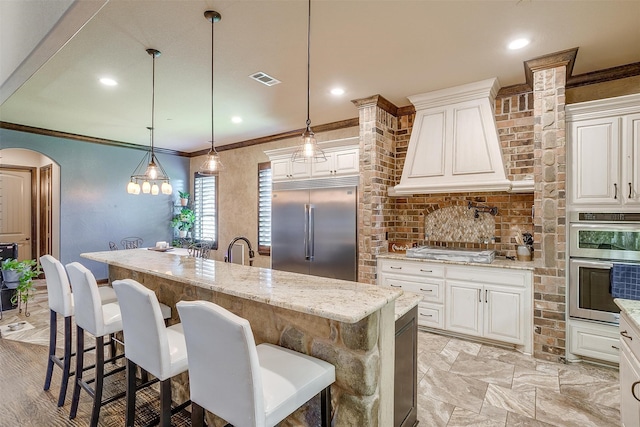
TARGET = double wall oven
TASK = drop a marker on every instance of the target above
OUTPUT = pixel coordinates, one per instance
(596, 242)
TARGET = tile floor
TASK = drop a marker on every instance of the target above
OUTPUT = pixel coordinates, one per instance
(464, 383)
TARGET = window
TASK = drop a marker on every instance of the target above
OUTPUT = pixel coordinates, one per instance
(264, 208)
(205, 206)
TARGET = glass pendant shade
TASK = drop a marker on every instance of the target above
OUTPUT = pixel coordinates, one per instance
(166, 188)
(212, 164)
(155, 190)
(131, 187)
(146, 187)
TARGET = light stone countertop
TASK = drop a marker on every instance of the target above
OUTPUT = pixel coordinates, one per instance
(333, 299)
(406, 302)
(631, 308)
(498, 262)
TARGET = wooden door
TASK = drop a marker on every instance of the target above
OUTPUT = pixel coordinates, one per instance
(16, 202)
(46, 218)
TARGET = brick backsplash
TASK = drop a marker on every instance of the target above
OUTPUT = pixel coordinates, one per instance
(514, 119)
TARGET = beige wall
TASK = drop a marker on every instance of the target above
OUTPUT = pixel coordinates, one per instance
(238, 191)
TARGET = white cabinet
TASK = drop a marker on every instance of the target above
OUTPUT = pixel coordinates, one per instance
(486, 310)
(595, 152)
(343, 159)
(629, 373)
(343, 162)
(604, 153)
(284, 169)
(489, 302)
(595, 340)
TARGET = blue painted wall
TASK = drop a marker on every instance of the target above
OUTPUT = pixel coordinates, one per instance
(94, 205)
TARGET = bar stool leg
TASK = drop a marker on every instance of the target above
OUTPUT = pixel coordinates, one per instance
(53, 334)
(165, 403)
(66, 369)
(197, 415)
(325, 407)
(131, 393)
(112, 348)
(97, 398)
(79, 367)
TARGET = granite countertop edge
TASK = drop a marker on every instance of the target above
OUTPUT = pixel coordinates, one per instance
(405, 302)
(631, 308)
(497, 263)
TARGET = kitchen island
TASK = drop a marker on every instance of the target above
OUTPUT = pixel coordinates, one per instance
(348, 324)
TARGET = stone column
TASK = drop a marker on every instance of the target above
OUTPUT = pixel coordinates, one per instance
(550, 212)
(378, 123)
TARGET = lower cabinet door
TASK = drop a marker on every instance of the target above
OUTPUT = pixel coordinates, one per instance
(503, 316)
(629, 375)
(464, 311)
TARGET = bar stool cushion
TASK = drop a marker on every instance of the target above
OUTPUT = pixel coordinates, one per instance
(239, 382)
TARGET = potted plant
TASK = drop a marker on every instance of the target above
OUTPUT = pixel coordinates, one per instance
(184, 198)
(19, 275)
(183, 221)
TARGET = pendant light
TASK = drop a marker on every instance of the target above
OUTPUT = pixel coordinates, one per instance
(308, 150)
(154, 173)
(212, 165)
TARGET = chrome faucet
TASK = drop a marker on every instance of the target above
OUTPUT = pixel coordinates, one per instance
(227, 257)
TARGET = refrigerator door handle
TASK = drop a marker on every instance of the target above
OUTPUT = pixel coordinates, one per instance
(309, 240)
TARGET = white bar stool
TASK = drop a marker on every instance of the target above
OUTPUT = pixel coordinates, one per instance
(245, 384)
(157, 349)
(100, 321)
(61, 302)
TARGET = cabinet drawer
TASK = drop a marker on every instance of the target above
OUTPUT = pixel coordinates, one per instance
(414, 268)
(630, 335)
(431, 316)
(497, 276)
(432, 290)
(595, 342)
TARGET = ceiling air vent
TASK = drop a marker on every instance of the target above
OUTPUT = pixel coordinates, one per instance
(264, 78)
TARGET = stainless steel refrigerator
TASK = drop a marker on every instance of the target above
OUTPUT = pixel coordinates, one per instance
(314, 227)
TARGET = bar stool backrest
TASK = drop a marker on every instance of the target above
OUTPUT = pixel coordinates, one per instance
(86, 297)
(58, 288)
(224, 370)
(145, 335)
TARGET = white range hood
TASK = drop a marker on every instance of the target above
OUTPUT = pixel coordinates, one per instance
(454, 145)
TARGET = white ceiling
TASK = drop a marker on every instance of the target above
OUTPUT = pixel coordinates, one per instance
(395, 48)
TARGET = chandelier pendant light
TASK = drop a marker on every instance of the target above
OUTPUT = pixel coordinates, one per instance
(308, 150)
(212, 165)
(153, 173)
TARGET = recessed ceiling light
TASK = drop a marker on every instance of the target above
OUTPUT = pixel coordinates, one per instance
(108, 82)
(337, 91)
(236, 119)
(518, 44)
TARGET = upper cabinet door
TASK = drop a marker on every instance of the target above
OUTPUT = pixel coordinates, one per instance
(631, 159)
(595, 152)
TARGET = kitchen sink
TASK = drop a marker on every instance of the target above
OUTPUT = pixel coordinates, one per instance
(460, 255)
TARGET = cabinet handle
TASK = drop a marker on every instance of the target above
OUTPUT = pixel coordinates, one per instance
(396, 286)
(626, 335)
(426, 290)
(615, 187)
(426, 271)
(395, 268)
(630, 190)
(615, 348)
(479, 295)
(633, 390)
(486, 296)
(426, 315)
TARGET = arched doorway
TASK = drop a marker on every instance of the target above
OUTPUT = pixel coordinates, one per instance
(30, 202)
